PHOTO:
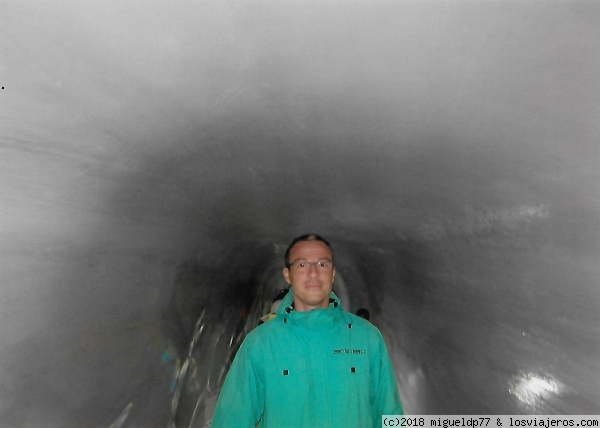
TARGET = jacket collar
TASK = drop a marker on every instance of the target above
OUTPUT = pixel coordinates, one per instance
(287, 307)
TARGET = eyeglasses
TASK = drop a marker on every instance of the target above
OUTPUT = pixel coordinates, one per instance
(304, 266)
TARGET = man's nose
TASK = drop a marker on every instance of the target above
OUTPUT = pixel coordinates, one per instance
(312, 269)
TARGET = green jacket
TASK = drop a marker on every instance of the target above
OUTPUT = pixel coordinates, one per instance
(323, 368)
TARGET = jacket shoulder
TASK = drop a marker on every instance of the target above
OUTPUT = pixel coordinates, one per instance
(264, 331)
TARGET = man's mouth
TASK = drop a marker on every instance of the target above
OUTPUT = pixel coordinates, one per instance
(313, 285)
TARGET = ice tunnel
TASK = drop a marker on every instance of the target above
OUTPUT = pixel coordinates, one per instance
(157, 157)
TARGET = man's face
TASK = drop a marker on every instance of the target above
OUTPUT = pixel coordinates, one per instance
(311, 281)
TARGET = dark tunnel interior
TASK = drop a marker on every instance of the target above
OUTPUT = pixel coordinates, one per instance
(158, 157)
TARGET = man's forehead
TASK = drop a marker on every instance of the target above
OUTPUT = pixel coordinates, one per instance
(313, 248)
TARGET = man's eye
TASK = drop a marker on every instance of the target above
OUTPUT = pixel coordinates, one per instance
(301, 265)
(323, 264)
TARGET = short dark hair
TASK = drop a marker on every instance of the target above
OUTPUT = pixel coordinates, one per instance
(363, 313)
(280, 294)
(305, 237)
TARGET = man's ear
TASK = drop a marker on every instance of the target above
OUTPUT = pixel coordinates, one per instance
(286, 275)
(333, 277)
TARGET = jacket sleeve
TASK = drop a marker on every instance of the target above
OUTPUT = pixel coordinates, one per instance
(384, 391)
(241, 401)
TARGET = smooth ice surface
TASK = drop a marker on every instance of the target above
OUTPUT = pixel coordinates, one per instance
(156, 157)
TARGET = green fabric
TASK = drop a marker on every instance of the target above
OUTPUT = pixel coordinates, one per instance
(309, 369)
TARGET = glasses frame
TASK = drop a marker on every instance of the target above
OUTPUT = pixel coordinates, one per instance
(328, 268)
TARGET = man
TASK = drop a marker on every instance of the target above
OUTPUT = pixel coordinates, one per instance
(274, 306)
(314, 365)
